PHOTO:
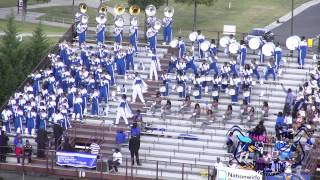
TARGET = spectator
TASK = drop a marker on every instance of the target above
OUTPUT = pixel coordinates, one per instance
(18, 146)
(186, 105)
(66, 146)
(57, 133)
(244, 109)
(260, 129)
(157, 103)
(265, 109)
(4, 146)
(227, 115)
(41, 139)
(121, 137)
(166, 109)
(218, 164)
(27, 151)
(279, 124)
(116, 161)
(134, 146)
(135, 130)
(214, 105)
(251, 114)
(290, 97)
(196, 112)
(94, 148)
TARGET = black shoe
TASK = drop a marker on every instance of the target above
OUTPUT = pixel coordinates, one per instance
(132, 163)
(139, 164)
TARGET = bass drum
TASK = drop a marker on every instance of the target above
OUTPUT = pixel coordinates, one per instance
(254, 43)
(268, 49)
(234, 48)
(293, 42)
(224, 41)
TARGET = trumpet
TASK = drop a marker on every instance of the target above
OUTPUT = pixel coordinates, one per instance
(119, 10)
(134, 10)
(83, 8)
(103, 9)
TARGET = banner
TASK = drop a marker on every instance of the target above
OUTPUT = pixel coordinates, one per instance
(76, 159)
(225, 173)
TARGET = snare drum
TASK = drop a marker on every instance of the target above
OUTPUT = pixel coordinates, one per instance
(246, 94)
(162, 89)
(195, 93)
(215, 93)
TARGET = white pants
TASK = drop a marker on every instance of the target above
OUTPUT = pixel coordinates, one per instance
(137, 91)
(121, 113)
(153, 70)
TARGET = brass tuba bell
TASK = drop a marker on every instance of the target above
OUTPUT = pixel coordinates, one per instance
(101, 18)
(83, 8)
(134, 10)
(151, 10)
(119, 9)
(103, 9)
(168, 11)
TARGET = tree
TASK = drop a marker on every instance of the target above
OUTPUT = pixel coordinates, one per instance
(196, 3)
(36, 49)
(144, 3)
(10, 59)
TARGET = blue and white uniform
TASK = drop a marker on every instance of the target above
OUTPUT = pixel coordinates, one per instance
(277, 56)
(200, 39)
(104, 90)
(172, 64)
(302, 52)
(43, 118)
(154, 67)
(81, 31)
(213, 50)
(167, 29)
(165, 83)
(78, 108)
(216, 87)
(213, 65)
(243, 54)
(133, 31)
(181, 87)
(182, 48)
(121, 64)
(152, 39)
(100, 33)
(137, 87)
(95, 103)
(190, 64)
(270, 69)
(123, 111)
(118, 35)
(129, 57)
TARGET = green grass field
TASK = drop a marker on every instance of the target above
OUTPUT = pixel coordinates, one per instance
(29, 27)
(245, 14)
(12, 3)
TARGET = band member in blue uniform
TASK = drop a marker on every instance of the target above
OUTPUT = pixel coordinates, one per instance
(213, 64)
(181, 87)
(261, 56)
(18, 118)
(129, 57)
(233, 67)
(181, 66)
(117, 33)
(108, 65)
(172, 64)
(167, 30)
(270, 69)
(243, 53)
(302, 52)
(216, 87)
(182, 47)
(255, 71)
(138, 88)
(190, 64)
(197, 89)
(123, 110)
(43, 118)
(77, 108)
(81, 31)
(100, 32)
(133, 32)
(104, 89)
(278, 55)
(120, 61)
(95, 103)
(165, 82)
(152, 39)
(233, 88)
(200, 39)
(213, 50)
(246, 87)
(154, 67)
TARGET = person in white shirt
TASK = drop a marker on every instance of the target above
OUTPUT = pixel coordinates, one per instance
(94, 148)
(115, 161)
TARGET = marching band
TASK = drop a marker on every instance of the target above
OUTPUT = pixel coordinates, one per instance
(81, 76)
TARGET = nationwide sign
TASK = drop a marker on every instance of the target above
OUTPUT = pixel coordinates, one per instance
(225, 173)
